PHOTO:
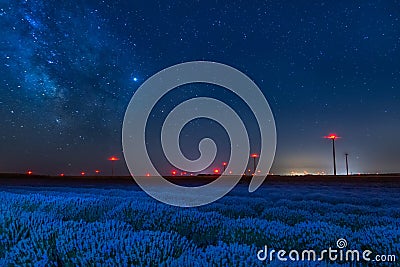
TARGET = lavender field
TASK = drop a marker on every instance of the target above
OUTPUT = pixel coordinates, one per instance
(62, 226)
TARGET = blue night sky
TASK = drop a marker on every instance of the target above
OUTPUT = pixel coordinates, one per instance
(69, 69)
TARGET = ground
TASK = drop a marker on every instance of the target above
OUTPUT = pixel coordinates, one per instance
(122, 226)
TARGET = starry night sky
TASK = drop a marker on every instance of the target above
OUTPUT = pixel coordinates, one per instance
(69, 69)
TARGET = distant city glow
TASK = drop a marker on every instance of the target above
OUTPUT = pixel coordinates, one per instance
(298, 173)
(304, 172)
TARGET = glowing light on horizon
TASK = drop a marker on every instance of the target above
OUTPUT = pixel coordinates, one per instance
(304, 172)
(332, 136)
